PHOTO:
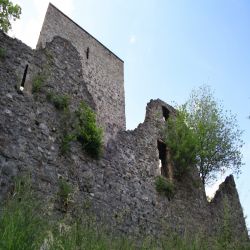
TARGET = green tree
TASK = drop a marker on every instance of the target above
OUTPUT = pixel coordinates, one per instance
(215, 133)
(8, 11)
(182, 142)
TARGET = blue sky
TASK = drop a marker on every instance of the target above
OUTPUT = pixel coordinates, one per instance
(169, 47)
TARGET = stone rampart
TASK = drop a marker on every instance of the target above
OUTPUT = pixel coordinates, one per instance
(120, 187)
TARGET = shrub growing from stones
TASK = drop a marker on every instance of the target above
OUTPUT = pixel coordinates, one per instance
(64, 192)
(60, 102)
(67, 139)
(84, 129)
(37, 83)
(2, 53)
(164, 186)
(87, 131)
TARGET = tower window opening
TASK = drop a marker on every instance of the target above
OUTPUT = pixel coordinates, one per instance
(87, 53)
(163, 164)
(24, 77)
(165, 113)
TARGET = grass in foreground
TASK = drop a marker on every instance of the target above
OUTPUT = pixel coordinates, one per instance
(23, 226)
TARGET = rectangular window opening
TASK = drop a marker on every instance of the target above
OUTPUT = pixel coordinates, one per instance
(163, 164)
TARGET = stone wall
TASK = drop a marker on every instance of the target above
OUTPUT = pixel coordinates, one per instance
(102, 70)
(31, 127)
(119, 188)
(226, 209)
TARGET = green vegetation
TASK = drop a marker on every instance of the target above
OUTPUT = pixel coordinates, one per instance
(8, 11)
(37, 83)
(64, 192)
(60, 102)
(84, 129)
(21, 223)
(164, 186)
(226, 237)
(24, 226)
(205, 135)
(2, 53)
(78, 126)
(65, 145)
(87, 131)
(182, 143)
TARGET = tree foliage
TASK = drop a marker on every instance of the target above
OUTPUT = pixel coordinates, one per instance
(213, 142)
(8, 11)
(182, 143)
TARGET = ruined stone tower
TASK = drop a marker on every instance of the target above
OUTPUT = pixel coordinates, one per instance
(119, 188)
(102, 69)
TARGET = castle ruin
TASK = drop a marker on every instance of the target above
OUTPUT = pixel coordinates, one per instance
(120, 187)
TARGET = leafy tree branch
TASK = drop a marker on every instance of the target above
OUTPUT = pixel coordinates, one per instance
(213, 142)
(8, 11)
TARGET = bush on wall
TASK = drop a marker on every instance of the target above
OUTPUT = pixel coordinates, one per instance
(60, 102)
(164, 186)
(84, 129)
(87, 131)
(38, 82)
(2, 53)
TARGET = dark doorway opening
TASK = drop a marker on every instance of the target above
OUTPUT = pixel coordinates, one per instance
(165, 113)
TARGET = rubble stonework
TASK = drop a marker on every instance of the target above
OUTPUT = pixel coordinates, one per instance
(120, 187)
(102, 70)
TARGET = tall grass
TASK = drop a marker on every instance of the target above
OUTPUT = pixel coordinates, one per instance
(21, 223)
(24, 226)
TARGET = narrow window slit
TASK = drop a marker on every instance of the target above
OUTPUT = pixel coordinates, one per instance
(87, 53)
(165, 113)
(24, 77)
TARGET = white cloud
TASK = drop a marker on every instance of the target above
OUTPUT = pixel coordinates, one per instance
(132, 39)
(28, 27)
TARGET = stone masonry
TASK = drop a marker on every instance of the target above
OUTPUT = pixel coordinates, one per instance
(120, 187)
(102, 70)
